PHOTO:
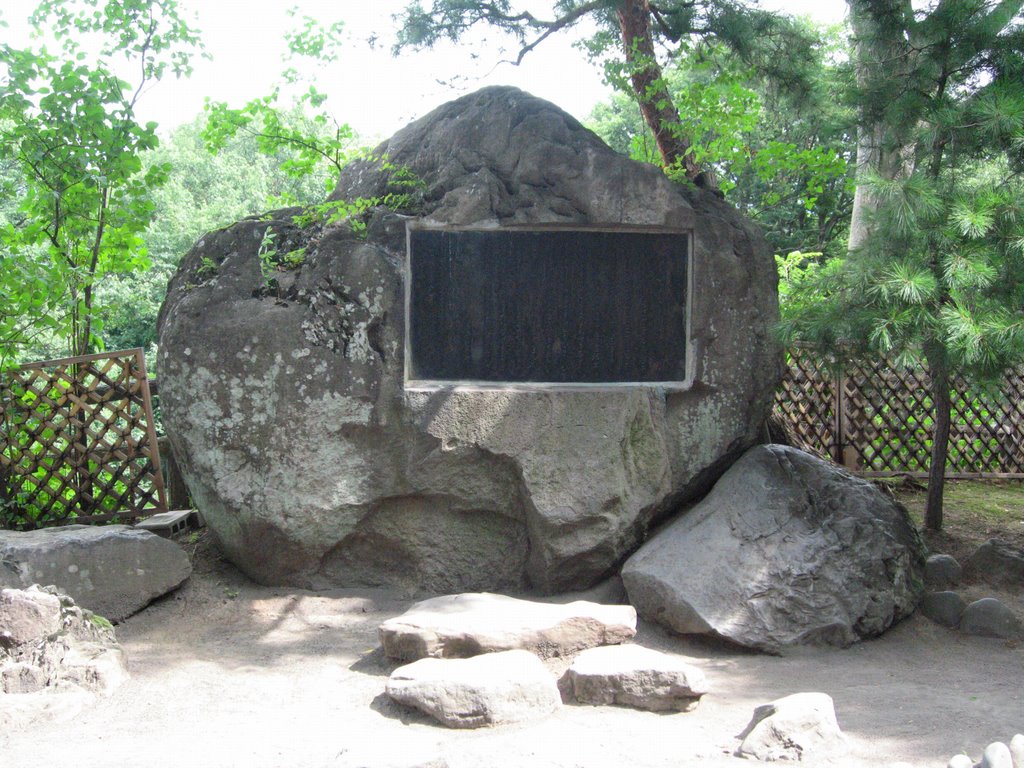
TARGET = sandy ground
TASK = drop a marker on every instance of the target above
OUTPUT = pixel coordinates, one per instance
(228, 673)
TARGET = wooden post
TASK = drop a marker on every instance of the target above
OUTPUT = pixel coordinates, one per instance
(177, 491)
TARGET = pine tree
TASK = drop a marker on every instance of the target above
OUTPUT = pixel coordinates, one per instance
(630, 32)
(935, 270)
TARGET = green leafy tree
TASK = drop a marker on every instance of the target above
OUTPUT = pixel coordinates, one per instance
(786, 162)
(629, 34)
(935, 271)
(71, 142)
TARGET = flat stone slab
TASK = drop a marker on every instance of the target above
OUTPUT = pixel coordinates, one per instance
(792, 728)
(634, 676)
(459, 626)
(492, 689)
(111, 570)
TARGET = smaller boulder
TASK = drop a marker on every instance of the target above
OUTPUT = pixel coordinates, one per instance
(111, 570)
(942, 571)
(633, 676)
(998, 563)
(943, 608)
(492, 689)
(960, 761)
(989, 617)
(792, 728)
(27, 616)
(996, 755)
(786, 550)
(459, 626)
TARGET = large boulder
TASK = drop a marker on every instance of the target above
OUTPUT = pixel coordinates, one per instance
(283, 389)
(111, 570)
(786, 549)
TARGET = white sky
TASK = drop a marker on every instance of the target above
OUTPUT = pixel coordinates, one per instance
(372, 91)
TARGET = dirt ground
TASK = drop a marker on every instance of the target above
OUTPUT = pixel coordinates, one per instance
(225, 672)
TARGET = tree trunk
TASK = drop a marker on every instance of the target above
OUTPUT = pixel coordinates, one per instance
(938, 369)
(880, 50)
(649, 85)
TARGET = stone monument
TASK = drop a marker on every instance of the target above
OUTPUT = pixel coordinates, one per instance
(501, 385)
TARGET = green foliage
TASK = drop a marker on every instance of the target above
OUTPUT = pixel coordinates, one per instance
(72, 148)
(625, 41)
(784, 161)
(304, 137)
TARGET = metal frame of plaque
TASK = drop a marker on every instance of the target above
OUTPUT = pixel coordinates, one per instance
(485, 253)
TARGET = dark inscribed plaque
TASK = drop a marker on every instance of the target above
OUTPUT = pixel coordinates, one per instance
(547, 306)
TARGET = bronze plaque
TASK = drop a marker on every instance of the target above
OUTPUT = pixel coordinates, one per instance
(547, 306)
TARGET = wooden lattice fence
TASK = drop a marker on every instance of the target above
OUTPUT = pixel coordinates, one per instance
(876, 418)
(77, 442)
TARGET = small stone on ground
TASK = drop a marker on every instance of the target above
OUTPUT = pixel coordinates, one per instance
(492, 689)
(943, 608)
(989, 617)
(792, 728)
(942, 571)
(634, 676)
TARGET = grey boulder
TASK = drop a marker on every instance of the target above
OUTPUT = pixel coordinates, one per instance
(27, 616)
(458, 626)
(111, 570)
(313, 462)
(943, 608)
(785, 550)
(492, 689)
(634, 676)
(999, 563)
(960, 761)
(1017, 750)
(990, 617)
(795, 727)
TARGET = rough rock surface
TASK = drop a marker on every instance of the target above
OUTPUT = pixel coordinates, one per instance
(491, 689)
(634, 676)
(47, 643)
(792, 728)
(284, 397)
(943, 608)
(990, 617)
(464, 625)
(942, 571)
(999, 563)
(785, 550)
(110, 570)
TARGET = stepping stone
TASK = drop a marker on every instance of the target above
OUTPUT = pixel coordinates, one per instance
(792, 728)
(492, 689)
(459, 626)
(634, 676)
